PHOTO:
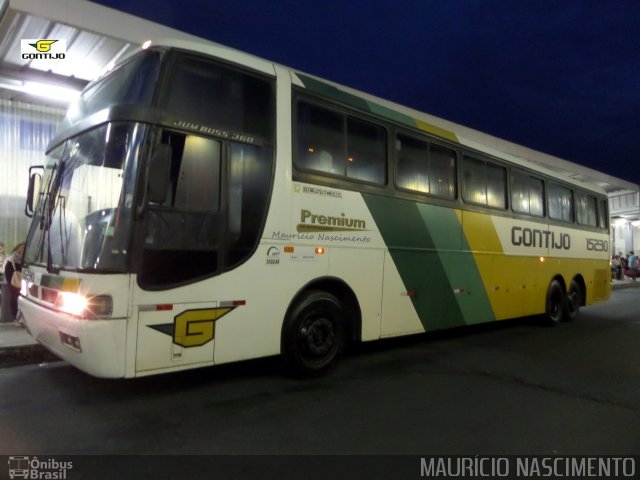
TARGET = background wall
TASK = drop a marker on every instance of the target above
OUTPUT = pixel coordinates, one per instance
(25, 130)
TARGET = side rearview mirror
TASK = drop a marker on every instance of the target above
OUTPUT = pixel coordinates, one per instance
(159, 172)
(33, 190)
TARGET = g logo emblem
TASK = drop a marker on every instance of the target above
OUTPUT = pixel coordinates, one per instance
(194, 328)
(43, 45)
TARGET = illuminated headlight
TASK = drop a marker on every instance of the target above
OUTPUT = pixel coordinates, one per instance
(86, 307)
(71, 303)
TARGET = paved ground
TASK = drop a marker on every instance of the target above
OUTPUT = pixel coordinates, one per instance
(508, 388)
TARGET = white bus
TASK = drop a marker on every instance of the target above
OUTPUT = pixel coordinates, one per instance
(201, 206)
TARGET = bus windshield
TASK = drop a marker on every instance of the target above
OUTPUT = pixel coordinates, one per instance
(84, 214)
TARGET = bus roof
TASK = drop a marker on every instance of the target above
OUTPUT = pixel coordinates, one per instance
(511, 152)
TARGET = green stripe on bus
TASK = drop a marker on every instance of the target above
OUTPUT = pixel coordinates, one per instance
(393, 115)
(462, 271)
(334, 93)
(428, 248)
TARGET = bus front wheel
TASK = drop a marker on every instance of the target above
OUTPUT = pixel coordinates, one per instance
(313, 335)
(556, 303)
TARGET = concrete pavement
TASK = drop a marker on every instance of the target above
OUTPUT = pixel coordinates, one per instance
(17, 347)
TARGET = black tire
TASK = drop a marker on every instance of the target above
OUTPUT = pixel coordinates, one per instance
(573, 302)
(313, 335)
(555, 307)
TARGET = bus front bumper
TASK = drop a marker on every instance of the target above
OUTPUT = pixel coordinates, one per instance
(94, 346)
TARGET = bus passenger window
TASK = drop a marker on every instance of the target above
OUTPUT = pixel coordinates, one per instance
(603, 214)
(586, 209)
(560, 203)
(426, 168)
(412, 170)
(442, 171)
(218, 95)
(334, 143)
(483, 183)
(527, 194)
(320, 140)
(366, 152)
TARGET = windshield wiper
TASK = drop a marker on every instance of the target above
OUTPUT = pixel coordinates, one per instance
(51, 204)
(44, 212)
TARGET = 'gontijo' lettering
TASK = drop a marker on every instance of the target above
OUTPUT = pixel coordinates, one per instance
(535, 238)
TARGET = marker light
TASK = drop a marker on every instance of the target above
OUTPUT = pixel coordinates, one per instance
(319, 250)
(146, 44)
(99, 306)
(542, 259)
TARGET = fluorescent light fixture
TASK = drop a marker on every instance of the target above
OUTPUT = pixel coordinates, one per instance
(52, 92)
(64, 95)
(620, 222)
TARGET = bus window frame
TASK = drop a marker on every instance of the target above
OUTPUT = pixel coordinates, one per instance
(478, 157)
(319, 177)
(426, 197)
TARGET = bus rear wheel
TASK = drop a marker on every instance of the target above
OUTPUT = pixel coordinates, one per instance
(574, 300)
(556, 303)
(313, 335)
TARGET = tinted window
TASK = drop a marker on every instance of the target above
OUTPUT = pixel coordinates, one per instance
(337, 144)
(366, 151)
(249, 181)
(527, 194)
(183, 234)
(603, 213)
(320, 140)
(586, 209)
(216, 95)
(425, 167)
(212, 217)
(560, 203)
(483, 183)
(132, 82)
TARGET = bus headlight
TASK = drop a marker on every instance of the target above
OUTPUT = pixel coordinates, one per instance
(78, 305)
(100, 306)
(71, 303)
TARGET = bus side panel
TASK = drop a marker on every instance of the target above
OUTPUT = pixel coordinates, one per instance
(441, 278)
(505, 279)
(267, 283)
(361, 269)
(399, 316)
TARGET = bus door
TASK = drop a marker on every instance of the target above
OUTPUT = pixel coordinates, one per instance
(210, 221)
(182, 236)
